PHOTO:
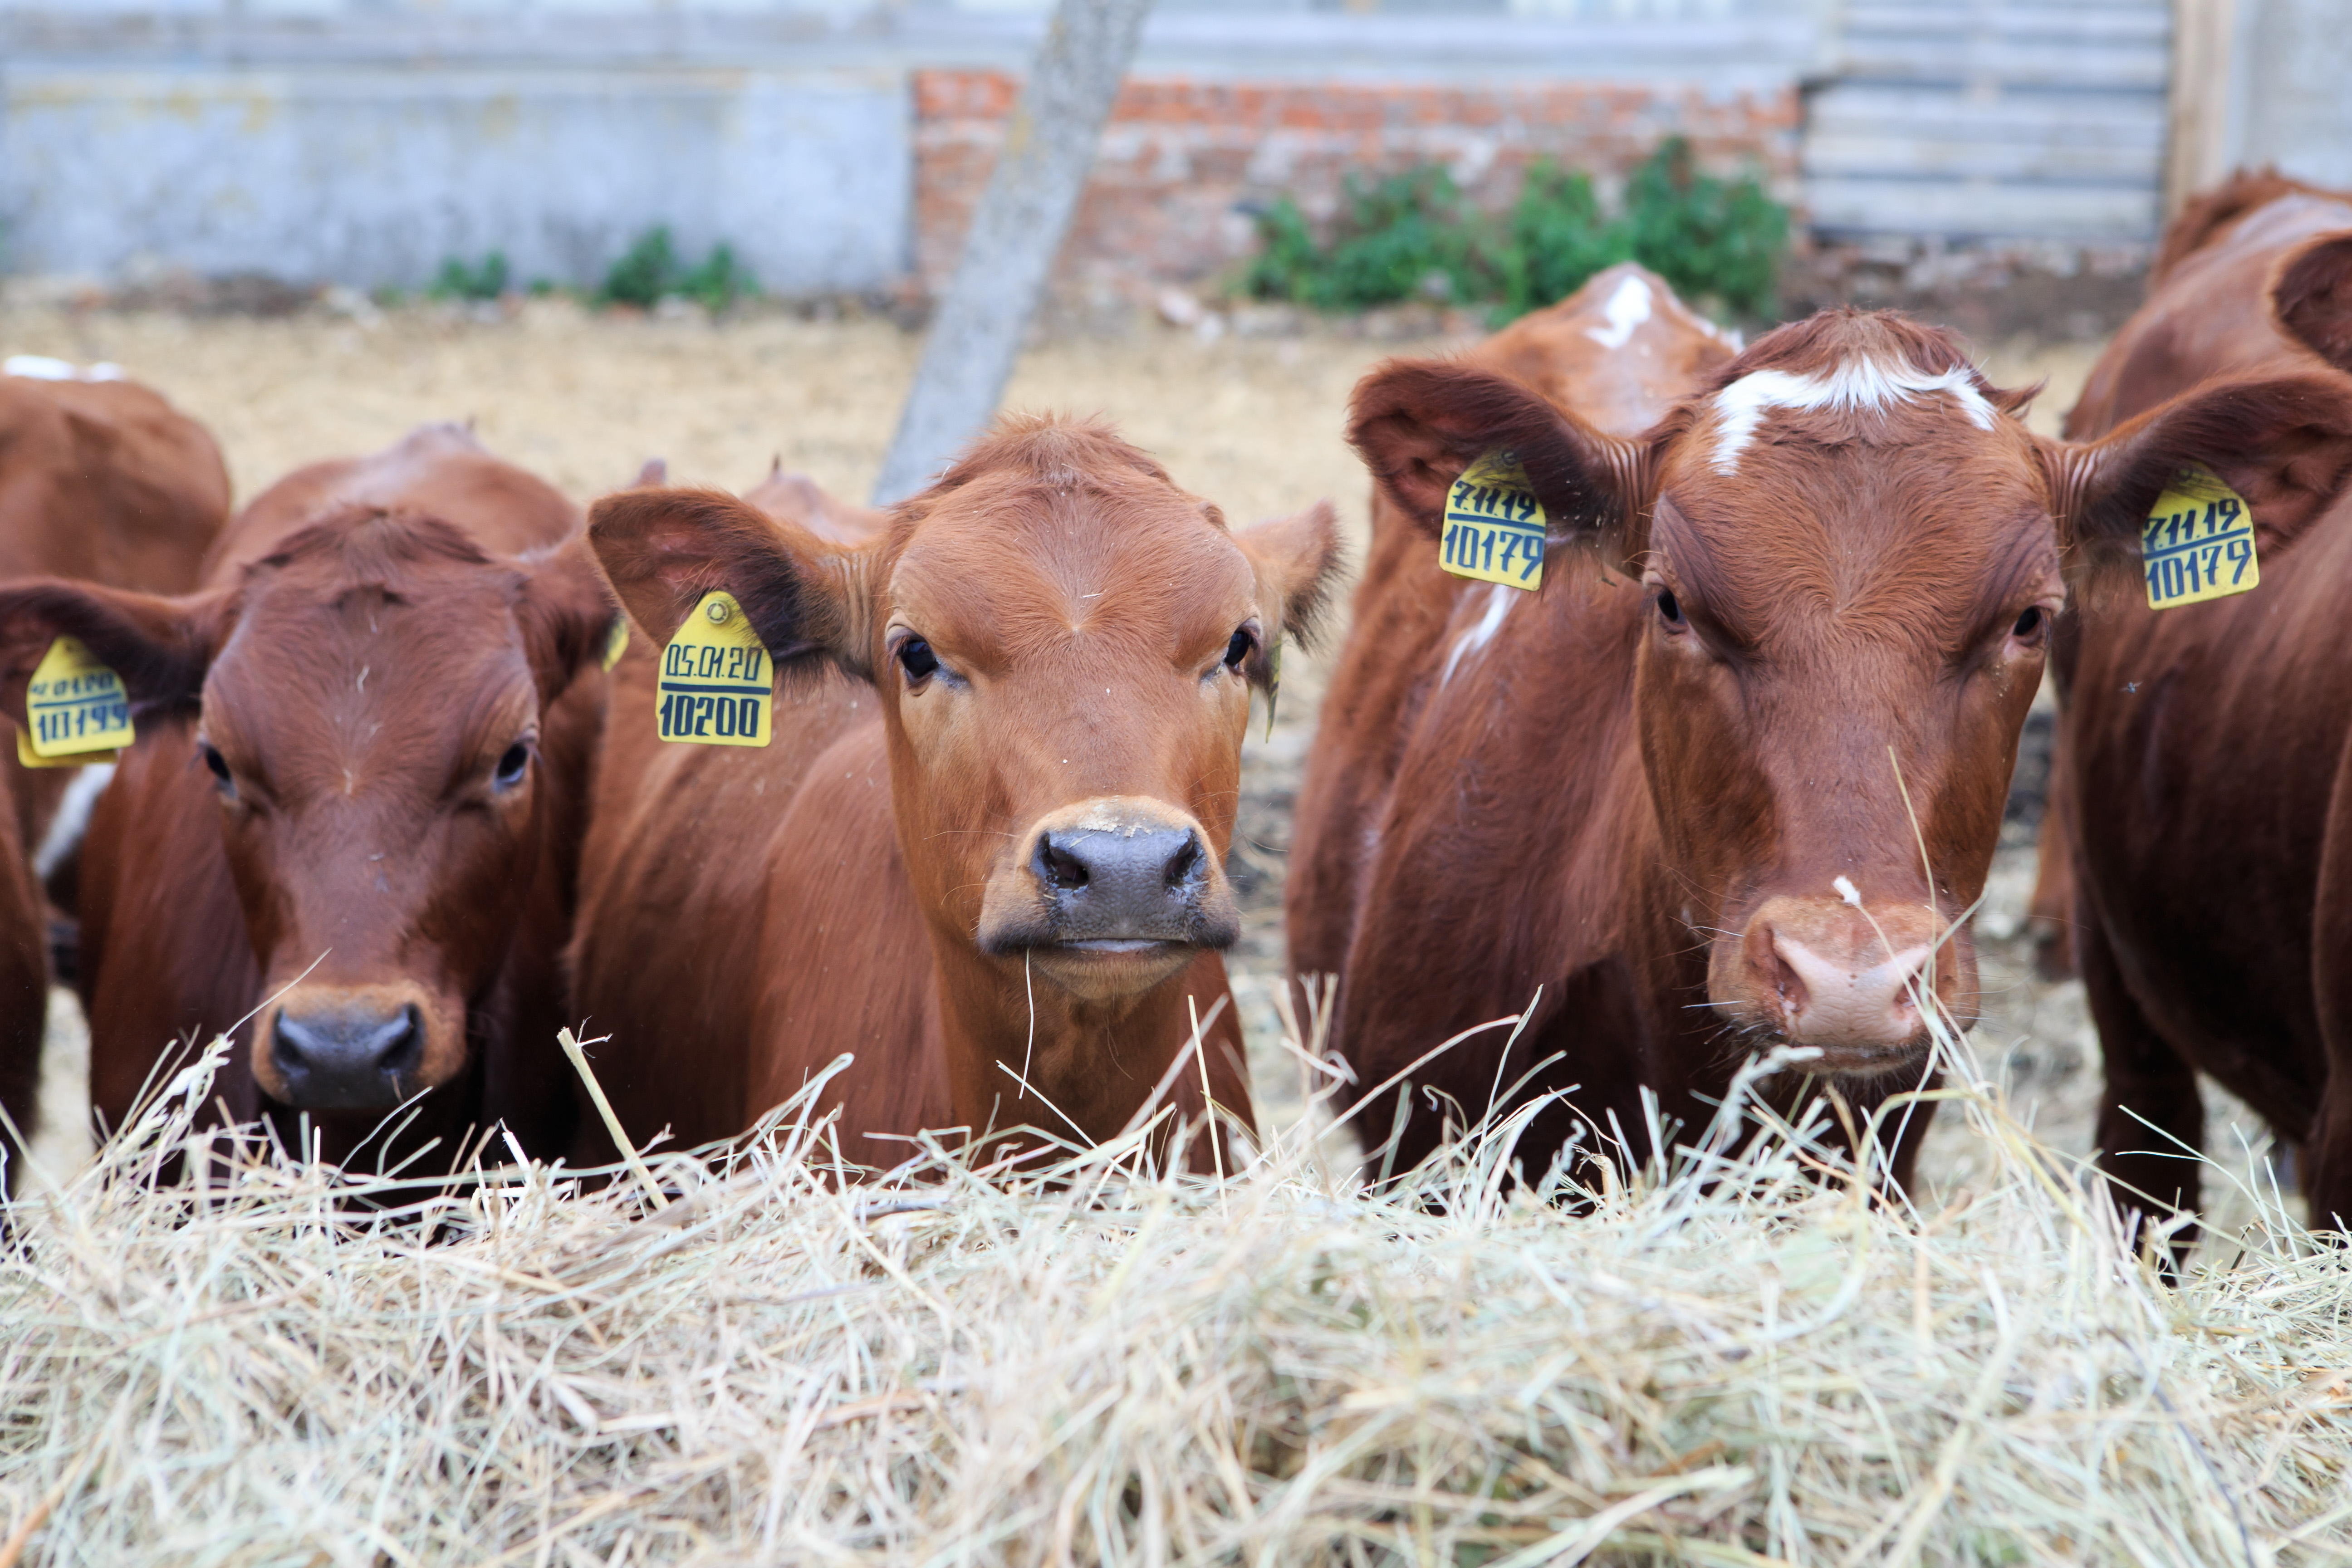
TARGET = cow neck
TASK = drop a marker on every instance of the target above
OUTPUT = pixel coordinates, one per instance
(1096, 1063)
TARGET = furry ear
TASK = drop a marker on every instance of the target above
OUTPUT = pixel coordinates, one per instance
(1297, 560)
(2284, 444)
(566, 614)
(161, 647)
(663, 549)
(1419, 423)
(2313, 298)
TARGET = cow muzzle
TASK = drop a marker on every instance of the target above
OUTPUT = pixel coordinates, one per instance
(365, 1047)
(1109, 897)
(1854, 982)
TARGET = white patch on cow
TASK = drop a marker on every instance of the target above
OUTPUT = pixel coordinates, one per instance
(41, 367)
(1498, 605)
(1847, 890)
(1628, 307)
(1741, 407)
(72, 820)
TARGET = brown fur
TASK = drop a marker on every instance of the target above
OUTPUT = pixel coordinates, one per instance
(866, 883)
(2212, 882)
(377, 633)
(102, 482)
(1629, 811)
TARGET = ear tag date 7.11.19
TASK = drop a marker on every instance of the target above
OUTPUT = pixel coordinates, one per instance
(1493, 530)
(717, 679)
(2197, 543)
(77, 711)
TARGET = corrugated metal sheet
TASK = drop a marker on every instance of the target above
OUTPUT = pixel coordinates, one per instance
(1992, 119)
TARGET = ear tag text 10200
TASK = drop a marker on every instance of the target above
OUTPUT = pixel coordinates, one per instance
(1494, 526)
(77, 711)
(2199, 542)
(717, 679)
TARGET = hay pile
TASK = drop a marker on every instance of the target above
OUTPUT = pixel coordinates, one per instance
(1735, 1359)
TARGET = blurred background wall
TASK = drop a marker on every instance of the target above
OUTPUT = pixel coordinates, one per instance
(839, 144)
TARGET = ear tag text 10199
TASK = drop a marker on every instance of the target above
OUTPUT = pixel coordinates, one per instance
(717, 679)
(1494, 526)
(77, 711)
(2199, 542)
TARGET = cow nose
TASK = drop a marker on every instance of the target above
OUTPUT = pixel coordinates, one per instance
(348, 1057)
(1843, 999)
(1148, 864)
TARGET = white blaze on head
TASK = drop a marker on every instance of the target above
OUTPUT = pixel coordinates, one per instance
(1857, 384)
(1628, 307)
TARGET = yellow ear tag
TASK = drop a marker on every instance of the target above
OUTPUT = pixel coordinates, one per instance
(75, 709)
(1494, 525)
(717, 679)
(2199, 542)
(616, 641)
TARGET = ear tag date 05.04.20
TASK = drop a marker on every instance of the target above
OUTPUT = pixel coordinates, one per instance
(1493, 530)
(716, 679)
(77, 711)
(2197, 543)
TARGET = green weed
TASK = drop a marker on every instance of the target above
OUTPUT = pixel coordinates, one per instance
(651, 269)
(457, 280)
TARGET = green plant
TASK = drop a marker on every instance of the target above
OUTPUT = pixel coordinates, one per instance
(651, 269)
(457, 280)
(1704, 234)
(1555, 240)
(1408, 234)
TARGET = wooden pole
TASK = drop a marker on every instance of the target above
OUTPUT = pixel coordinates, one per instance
(2197, 139)
(1049, 145)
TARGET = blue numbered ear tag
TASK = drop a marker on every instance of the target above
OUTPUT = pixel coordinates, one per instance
(2199, 542)
(717, 679)
(1494, 527)
(75, 709)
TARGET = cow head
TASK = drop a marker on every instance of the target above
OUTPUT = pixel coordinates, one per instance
(1849, 550)
(368, 704)
(1065, 643)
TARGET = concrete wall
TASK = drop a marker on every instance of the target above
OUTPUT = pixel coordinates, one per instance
(2290, 82)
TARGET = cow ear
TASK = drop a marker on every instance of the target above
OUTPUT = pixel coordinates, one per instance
(566, 614)
(161, 647)
(1419, 423)
(662, 549)
(2313, 298)
(1297, 560)
(2284, 444)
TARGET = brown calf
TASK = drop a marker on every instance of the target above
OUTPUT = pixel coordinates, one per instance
(2213, 880)
(356, 796)
(1730, 785)
(988, 836)
(105, 482)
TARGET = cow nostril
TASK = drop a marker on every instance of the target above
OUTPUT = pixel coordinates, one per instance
(398, 1045)
(1181, 864)
(1056, 867)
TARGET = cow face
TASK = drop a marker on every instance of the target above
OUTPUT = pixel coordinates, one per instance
(1849, 551)
(368, 704)
(1065, 643)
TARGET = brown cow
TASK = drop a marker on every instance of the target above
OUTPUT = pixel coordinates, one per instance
(356, 796)
(100, 479)
(1730, 786)
(2213, 880)
(988, 836)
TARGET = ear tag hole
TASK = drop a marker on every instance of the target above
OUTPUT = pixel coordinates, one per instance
(1494, 527)
(77, 711)
(716, 679)
(2198, 543)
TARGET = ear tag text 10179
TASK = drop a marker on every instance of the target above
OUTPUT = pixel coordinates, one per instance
(1494, 526)
(77, 711)
(2199, 542)
(717, 679)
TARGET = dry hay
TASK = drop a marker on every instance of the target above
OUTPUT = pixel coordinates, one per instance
(1739, 1359)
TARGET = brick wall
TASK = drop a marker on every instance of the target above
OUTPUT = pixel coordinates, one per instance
(1180, 155)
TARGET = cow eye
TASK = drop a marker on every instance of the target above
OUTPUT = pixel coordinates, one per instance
(916, 658)
(219, 765)
(2030, 624)
(511, 763)
(1239, 648)
(1669, 610)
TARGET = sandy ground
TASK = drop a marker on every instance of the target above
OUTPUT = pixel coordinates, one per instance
(1251, 424)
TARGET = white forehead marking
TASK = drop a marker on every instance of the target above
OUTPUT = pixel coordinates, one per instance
(1856, 383)
(1498, 605)
(1628, 307)
(41, 367)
